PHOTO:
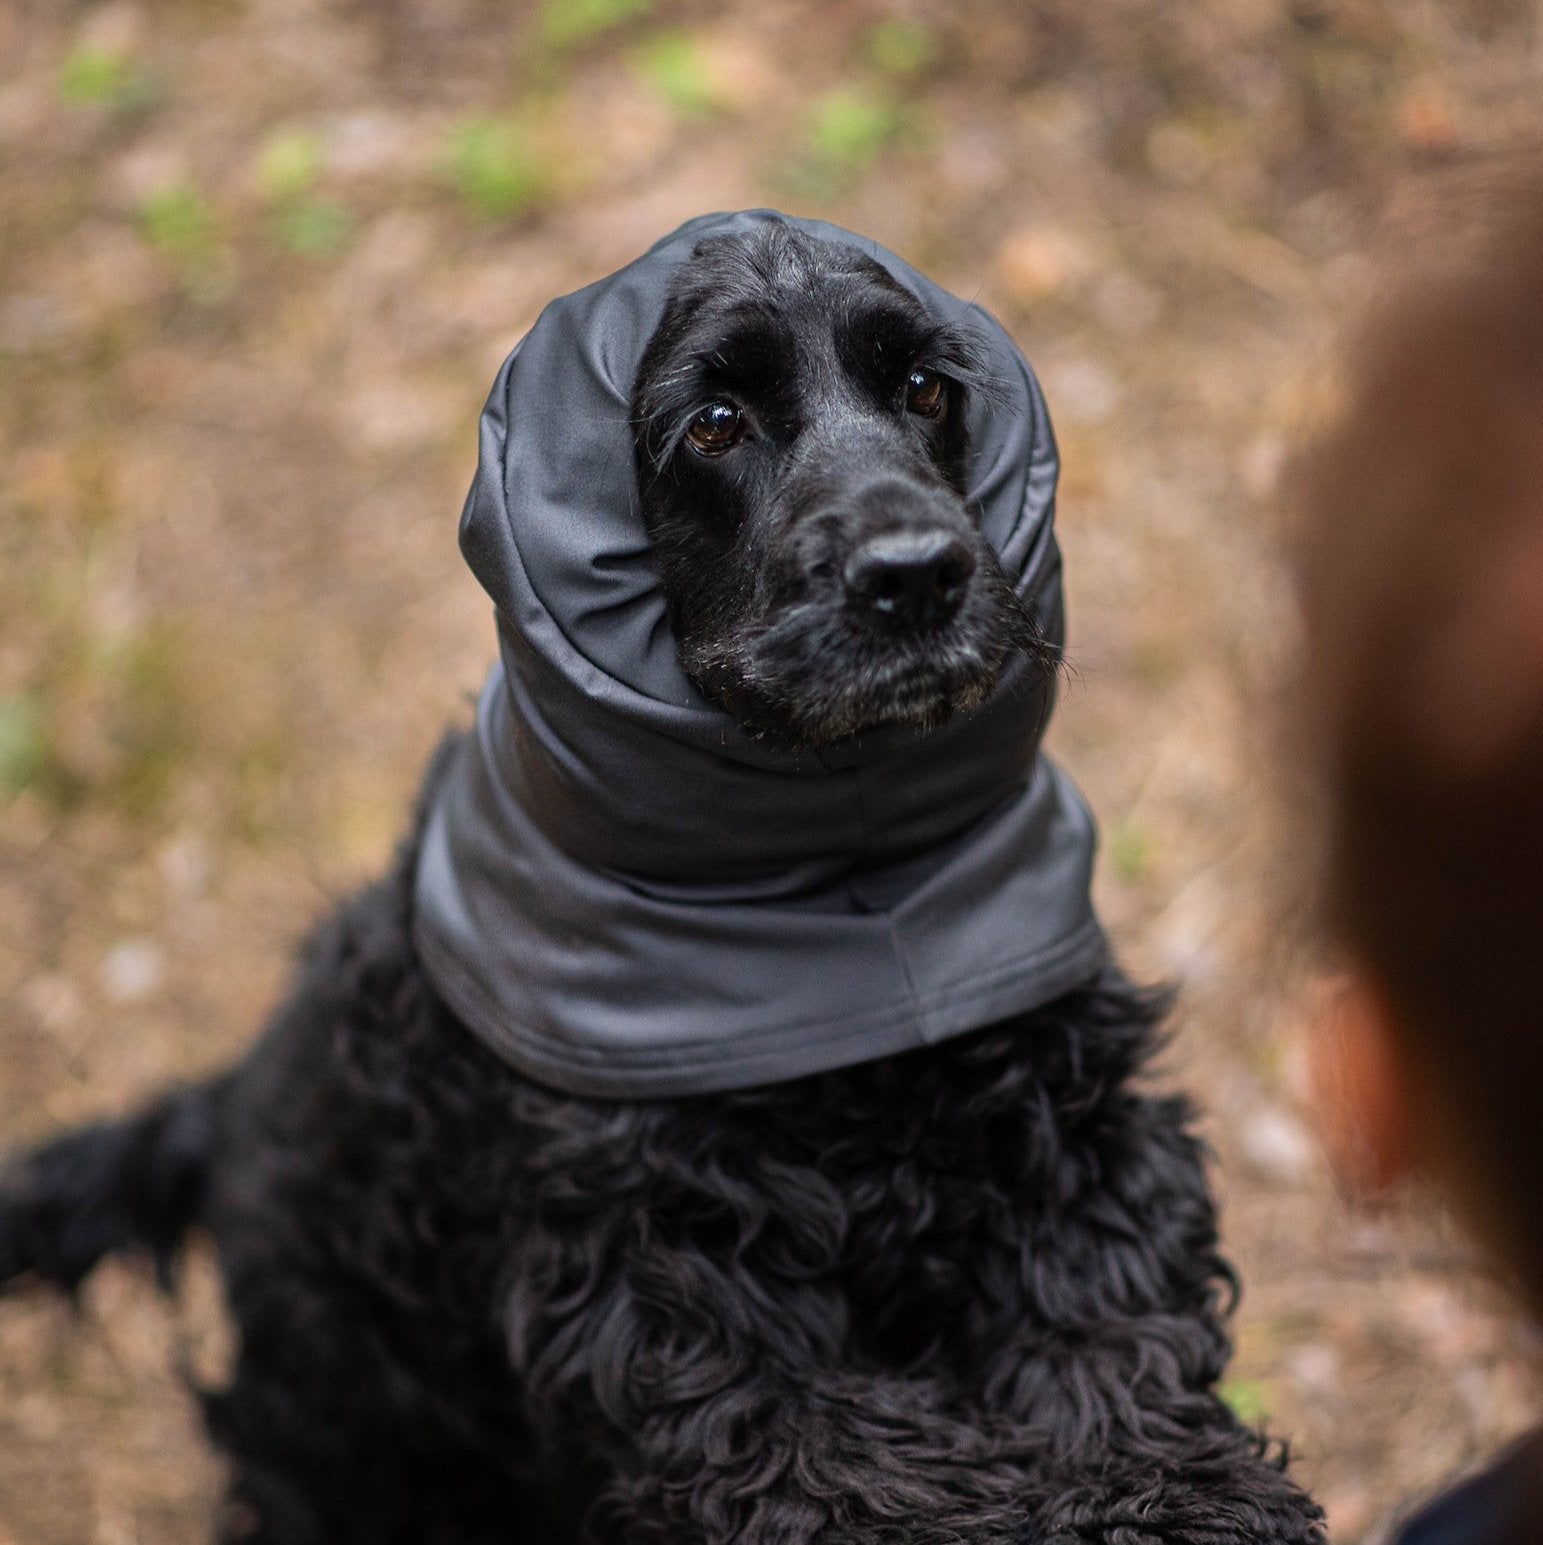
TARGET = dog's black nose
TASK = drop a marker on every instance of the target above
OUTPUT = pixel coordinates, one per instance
(910, 578)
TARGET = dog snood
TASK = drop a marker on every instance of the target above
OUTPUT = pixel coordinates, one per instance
(624, 893)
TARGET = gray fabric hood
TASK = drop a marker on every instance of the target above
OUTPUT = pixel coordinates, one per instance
(623, 893)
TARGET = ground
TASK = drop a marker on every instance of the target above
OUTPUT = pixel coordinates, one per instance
(258, 264)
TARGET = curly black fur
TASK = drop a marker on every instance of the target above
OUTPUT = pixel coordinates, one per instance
(968, 1294)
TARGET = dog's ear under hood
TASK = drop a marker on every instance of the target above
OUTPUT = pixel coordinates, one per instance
(625, 894)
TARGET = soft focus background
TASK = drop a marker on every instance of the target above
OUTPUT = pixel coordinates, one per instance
(258, 262)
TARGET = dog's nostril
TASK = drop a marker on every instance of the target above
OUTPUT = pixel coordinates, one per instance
(910, 578)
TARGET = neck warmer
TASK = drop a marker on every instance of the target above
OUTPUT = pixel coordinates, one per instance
(628, 896)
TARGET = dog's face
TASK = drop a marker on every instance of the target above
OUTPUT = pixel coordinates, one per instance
(801, 440)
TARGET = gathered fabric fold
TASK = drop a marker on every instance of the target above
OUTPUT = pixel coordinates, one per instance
(628, 896)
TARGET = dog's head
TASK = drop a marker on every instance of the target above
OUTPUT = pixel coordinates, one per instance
(801, 442)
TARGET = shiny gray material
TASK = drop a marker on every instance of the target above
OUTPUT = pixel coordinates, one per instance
(625, 894)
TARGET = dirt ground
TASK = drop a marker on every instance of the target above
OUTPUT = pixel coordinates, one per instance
(258, 263)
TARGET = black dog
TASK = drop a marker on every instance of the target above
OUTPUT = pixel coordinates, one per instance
(969, 1293)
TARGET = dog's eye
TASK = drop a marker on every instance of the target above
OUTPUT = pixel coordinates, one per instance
(924, 393)
(717, 428)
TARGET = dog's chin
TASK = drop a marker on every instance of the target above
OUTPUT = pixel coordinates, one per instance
(829, 691)
(920, 695)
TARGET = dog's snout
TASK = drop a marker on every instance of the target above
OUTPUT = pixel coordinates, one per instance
(910, 578)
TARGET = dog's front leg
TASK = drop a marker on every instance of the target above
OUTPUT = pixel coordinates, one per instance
(722, 1404)
(804, 1455)
(1107, 1334)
